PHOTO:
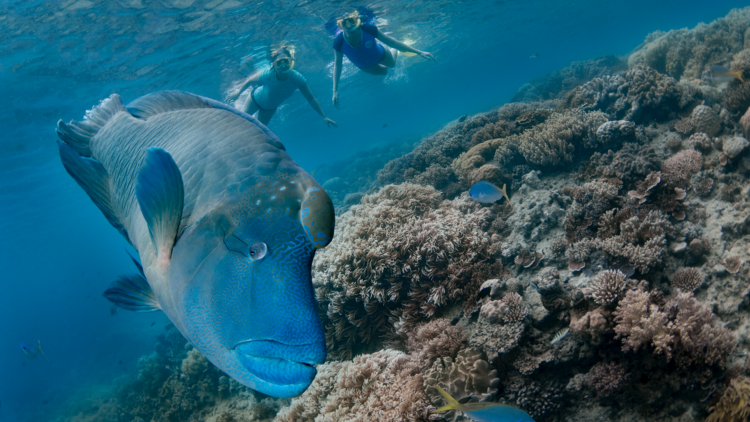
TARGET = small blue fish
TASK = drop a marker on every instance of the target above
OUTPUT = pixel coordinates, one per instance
(32, 352)
(484, 412)
(487, 193)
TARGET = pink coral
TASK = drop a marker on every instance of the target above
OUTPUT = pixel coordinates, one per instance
(679, 168)
(398, 257)
(435, 339)
(608, 287)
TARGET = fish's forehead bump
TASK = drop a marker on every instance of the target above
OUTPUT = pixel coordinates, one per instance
(269, 197)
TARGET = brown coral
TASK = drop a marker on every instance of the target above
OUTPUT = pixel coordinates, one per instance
(608, 287)
(385, 385)
(734, 404)
(398, 257)
(516, 309)
(607, 378)
(679, 168)
(435, 339)
(681, 327)
(732, 264)
(469, 375)
(687, 279)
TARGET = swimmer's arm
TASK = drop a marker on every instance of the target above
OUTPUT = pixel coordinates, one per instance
(252, 79)
(305, 90)
(336, 75)
(398, 45)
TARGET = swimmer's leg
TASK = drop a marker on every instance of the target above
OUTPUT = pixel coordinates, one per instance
(389, 57)
(264, 116)
(378, 69)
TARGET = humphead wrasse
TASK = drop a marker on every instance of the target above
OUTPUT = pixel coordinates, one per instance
(226, 225)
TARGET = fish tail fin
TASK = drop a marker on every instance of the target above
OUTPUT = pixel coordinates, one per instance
(738, 74)
(41, 351)
(506, 197)
(452, 403)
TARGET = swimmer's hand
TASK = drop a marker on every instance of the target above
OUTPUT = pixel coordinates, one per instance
(330, 122)
(427, 56)
(336, 99)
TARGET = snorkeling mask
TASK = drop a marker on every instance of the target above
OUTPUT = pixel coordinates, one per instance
(350, 23)
(283, 64)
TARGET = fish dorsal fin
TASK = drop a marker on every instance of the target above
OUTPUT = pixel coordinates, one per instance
(132, 292)
(160, 193)
(94, 179)
(165, 101)
(78, 135)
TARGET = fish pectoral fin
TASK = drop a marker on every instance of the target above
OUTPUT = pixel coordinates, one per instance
(160, 193)
(136, 262)
(94, 179)
(132, 292)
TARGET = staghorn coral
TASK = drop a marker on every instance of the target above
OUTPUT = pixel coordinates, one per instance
(607, 378)
(734, 404)
(687, 279)
(468, 375)
(679, 328)
(398, 257)
(517, 311)
(631, 162)
(608, 287)
(687, 53)
(385, 385)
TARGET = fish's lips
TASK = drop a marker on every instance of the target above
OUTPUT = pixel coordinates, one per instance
(273, 368)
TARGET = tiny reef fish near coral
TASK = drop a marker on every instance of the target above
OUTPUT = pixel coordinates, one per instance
(487, 193)
(225, 224)
(560, 335)
(484, 412)
(721, 73)
(32, 352)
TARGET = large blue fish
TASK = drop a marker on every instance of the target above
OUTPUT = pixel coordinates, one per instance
(225, 223)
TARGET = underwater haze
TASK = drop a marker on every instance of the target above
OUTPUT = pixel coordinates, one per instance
(59, 59)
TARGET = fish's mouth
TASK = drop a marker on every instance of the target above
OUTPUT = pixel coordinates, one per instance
(280, 363)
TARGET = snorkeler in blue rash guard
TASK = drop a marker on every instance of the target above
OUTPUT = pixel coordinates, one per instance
(358, 42)
(275, 84)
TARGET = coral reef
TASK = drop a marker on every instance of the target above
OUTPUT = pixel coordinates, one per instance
(631, 162)
(608, 287)
(397, 258)
(687, 279)
(734, 404)
(607, 378)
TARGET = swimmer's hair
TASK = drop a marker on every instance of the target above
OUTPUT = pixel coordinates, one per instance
(278, 49)
(350, 14)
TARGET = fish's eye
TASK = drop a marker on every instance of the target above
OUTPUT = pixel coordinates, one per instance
(258, 251)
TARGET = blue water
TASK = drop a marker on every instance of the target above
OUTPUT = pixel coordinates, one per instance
(60, 58)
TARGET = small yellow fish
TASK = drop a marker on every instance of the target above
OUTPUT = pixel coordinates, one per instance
(723, 73)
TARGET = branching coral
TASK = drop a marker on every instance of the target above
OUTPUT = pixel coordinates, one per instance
(607, 378)
(398, 257)
(608, 287)
(687, 279)
(686, 53)
(679, 328)
(383, 386)
(734, 404)
(554, 142)
(631, 162)
(517, 311)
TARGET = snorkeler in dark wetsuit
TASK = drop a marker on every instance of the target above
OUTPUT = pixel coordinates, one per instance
(273, 86)
(359, 43)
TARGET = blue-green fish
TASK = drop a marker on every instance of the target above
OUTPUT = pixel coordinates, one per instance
(225, 225)
(32, 352)
(484, 412)
(487, 193)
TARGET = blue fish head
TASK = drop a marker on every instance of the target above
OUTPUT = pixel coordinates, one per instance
(28, 350)
(240, 281)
